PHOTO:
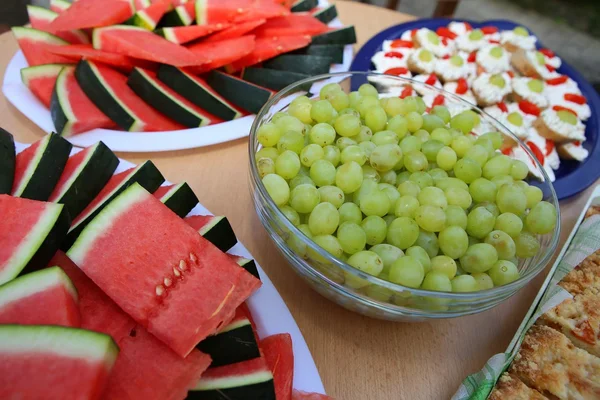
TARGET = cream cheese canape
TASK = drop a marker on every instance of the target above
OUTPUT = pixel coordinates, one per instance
(560, 126)
(471, 41)
(518, 38)
(491, 89)
(531, 90)
(452, 69)
(572, 151)
(493, 59)
(427, 39)
(421, 61)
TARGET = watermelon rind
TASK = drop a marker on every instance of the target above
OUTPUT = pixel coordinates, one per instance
(345, 35)
(305, 64)
(145, 87)
(198, 93)
(87, 180)
(271, 78)
(44, 170)
(143, 20)
(59, 6)
(177, 17)
(42, 13)
(327, 14)
(243, 94)
(35, 282)
(180, 199)
(249, 265)
(60, 108)
(7, 161)
(243, 383)
(22, 32)
(40, 71)
(304, 5)
(218, 231)
(201, 11)
(234, 343)
(101, 94)
(334, 51)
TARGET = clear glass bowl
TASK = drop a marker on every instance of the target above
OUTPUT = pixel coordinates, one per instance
(356, 290)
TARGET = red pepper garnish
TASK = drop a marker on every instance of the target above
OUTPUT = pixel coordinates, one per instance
(549, 146)
(445, 41)
(577, 143)
(445, 32)
(461, 86)
(413, 32)
(406, 92)
(547, 52)
(488, 30)
(447, 56)
(584, 332)
(550, 68)
(536, 152)
(529, 108)
(396, 71)
(510, 73)
(472, 56)
(468, 26)
(507, 151)
(502, 107)
(494, 41)
(402, 43)
(394, 54)
(438, 100)
(431, 80)
(561, 108)
(575, 98)
(557, 81)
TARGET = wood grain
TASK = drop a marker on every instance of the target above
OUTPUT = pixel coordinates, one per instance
(358, 358)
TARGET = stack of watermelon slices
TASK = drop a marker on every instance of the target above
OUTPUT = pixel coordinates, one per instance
(164, 65)
(142, 303)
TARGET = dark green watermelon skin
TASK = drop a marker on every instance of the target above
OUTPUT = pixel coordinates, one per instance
(250, 266)
(303, 64)
(7, 161)
(221, 235)
(259, 391)
(182, 201)
(241, 93)
(48, 171)
(346, 35)
(327, 15)
(231, 347)
(271, 78)
(304, 5)
(334, 51)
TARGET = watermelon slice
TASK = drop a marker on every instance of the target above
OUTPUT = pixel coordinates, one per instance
(304, 5)
(141, 4)
(139, 43)
(35, 45)
(235, 31)
(291, 25)
(30, 233)
(58, 6)
(182, 15)
(38, 168)
(76, 52)
(179, 312)
(271, 78)
(300, 395)
(243, 94)
(84, 176)
(108, 90)
(262, 9)
(40, 18)
(279, 355)
(149, 16)
(246, 263)
(245, 380)
(215, 11)
(300, 63)
(72, 111)
(45, 297)
(92, 14)
(327, 14)
(146, 85)
(40, 80)
(146, 368)
(266, 48)
(77, 362)
(7, 161)
(222, 53)
(184, 34)
(146, 174)
(345, 35)
(215, 229)
(179, 198)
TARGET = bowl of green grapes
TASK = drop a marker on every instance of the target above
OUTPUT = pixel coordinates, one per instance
(402, 208)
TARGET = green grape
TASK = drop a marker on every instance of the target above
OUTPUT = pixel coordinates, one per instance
(389, 177)
(479, 257)
(388, 254)
(458, 197)
(402, 177)
(410, 143)
(376, 229)
(310, 154)
(407, 271)
(323, 173)
(339, 100)
(402, 232)
(328, 89)
(502, 180)
(399, 125)
(515, 118)
(473, 240)
(300, 180)
(464, 284)
(268, 134)
(265, 166)
(352, 238)
(431, 148)
(324, 219)
(353, 153)
(437, 173)
(496, 52)
(522, 185)
(432, 196)
(431, 122)
(441, 135)
(406, 206)
(503, 272)
(476, 34)
(347, 125)
(446, 183)
(464, 122)
(510, 198)
(436, 281)
(461, 144)
(422, 135)
(287, 165)
(291, 214)
(277, 116)
(355, 99)
(328, 243)
(343, 142)
(431, 218)
(267, 152)
(301, 111)
(446, 158)
(527, 245)
(415, 161)
(277, 188)
(368, 90)
(375, 202)
(291, 140)
(480, 222)
(384, 157)
(453, 241)
(467, 170)
(509, 223)
(350, 212)
(482, 189)
(503, 243)
(456, 216)
(498, 80)
(367, 147)
(521, 31)
(367, 186)
(321, 111)
(389, 219)
(349, 177)
(384, 137)
(414, 121)
(429, 242)
(350, 111)
(300, 100)
(519, 170)
(391, 192)
(496, 138)
(393, 106)
(332, 154)
(288, 123)
(304, 198)
(421, 255)
(370, 173)
(412, 103)
(477, 153)
(483, 280)
(442, 111)
(445, 265)
(567, 116)
(366, 103)
(534, 195)
(322, 134)
(365, 135)
(541, 218)
(421, 178)
(332, 194)
(497, 166)
(297, 243)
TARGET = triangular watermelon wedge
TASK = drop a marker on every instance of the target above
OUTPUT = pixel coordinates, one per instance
(267, 48)
(40, 80)
(45, 297)
(58, 6)
(222, 53)
(149, 17)
(183, 15)
(262, 9)
(78, 51)
(184, 34)
(215, 11)
(40, 18)
(291, 25)
(235, 30)
(92, 14)
(35, 45)
(279, 355)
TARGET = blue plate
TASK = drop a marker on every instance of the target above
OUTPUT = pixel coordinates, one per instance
(572, 177)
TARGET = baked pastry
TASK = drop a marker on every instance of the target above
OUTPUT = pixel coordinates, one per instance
(493, 59)
(586, 276)
(421, 62)
(428, 39)
(532, 64)
(491, 89)
(518, 39)
(572, 151)
(531, 90)
(593, 210)
(511, 387)
(560, 126)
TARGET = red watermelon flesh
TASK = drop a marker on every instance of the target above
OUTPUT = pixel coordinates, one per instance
(222, 53)
(140, 43)
(35, 45)
(215, 11)
(267, 48)
(291, 25)
(188, 288)
(300, 395)
(23, 164)
(59, 6)
(141, 4)
(45, 297)
(161, 191)
(279, 355)
(40, 18)
(143, 359)
(185, 34)
(262, 9)
(78, 51)
(235, 31)
(40, 80)
(180, 2)
(92, 14)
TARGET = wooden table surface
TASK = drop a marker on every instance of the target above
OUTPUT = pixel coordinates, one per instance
(358, 358)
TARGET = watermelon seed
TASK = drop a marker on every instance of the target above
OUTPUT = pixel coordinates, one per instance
(160, 290)
(176, 273)
(240, 10)
(182, 265)
(168, 282)
(193, 258)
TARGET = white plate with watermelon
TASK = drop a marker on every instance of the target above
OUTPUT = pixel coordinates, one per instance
(223, 107)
